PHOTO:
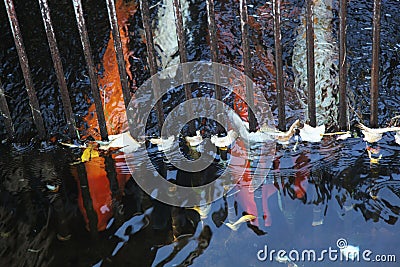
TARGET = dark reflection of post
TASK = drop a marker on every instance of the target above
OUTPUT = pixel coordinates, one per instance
(114, 187)
(87, 200)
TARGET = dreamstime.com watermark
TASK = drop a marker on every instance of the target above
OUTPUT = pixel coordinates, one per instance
(341, 253)
(234, 83)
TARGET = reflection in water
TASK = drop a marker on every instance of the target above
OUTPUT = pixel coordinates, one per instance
(54, 214)
(107, 220)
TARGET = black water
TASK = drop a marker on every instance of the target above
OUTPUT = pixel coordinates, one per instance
(357, 200)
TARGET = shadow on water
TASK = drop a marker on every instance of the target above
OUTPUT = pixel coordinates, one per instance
(53, 213)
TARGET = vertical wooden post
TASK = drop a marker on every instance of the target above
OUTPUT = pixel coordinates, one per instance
(276, 8)
(244, 23)
(342, 65)
(151, 57)
(180, 31)
(212, 31)
(310, 64)
(376, 28)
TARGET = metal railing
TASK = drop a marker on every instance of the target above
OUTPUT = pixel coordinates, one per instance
(276, 5)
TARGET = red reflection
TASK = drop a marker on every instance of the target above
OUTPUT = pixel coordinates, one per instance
(109, 83)
(101, 197)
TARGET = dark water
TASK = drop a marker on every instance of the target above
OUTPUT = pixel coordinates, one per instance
(332, 181)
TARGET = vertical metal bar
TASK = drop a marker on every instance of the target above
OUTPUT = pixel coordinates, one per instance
(23, 59)
(89, 61)
(180, 31)
(375, 63)
(279, 65)
(212, 31)
(244, 23)
(310, 64)
(151, 57)
(5, 112)
(342, 65)
(55, 55)
(112, 14)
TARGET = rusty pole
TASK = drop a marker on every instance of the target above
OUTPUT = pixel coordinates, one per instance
(276, 8)
(310, 64)
(55, 55)
(89, 61)
(23, 59)
(180, 32)
(375, 63)
(151, 57)
(212, 31)
(244, 23)
(342, 65)
(112, 14)
(5, 113)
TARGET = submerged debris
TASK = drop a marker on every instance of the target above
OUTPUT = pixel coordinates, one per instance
(89, 153)
(374, 135)
(163, 144)
(124, 142)
(202, 210)
(372, 151)
(194, 140)
(312, 134)
(282, 137)
(224, 141)
(235, 226)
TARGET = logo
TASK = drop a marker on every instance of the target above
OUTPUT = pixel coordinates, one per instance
(233, 83)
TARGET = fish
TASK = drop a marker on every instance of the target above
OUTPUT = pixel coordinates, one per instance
(246, 218)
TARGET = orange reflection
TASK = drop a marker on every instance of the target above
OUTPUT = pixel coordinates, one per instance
(109, 82)
(101, 197)
(114, 110)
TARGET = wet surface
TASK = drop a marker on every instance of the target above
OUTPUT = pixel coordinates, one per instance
(53, 213)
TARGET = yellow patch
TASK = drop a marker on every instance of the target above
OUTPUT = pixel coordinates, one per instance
(89, 153)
